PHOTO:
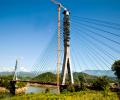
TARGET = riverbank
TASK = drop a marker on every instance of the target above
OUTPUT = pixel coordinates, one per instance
(45, 86)
(3, 90)
(21, 90)
(17, 91)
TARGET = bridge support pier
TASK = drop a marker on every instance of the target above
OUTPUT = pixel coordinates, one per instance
(12, 87)
(66, 68)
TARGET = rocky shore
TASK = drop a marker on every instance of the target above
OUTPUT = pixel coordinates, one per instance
(21, 90)
(3, 90)
(18, 90)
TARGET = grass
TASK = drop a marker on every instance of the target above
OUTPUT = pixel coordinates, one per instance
(83, 95)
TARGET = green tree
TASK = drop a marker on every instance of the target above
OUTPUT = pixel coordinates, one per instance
(101, 83)
(116, 68)
(82, 81)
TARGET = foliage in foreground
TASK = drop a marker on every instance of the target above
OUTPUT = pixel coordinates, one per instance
(83, 95)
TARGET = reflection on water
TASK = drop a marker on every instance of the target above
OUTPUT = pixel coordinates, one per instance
(35, 89)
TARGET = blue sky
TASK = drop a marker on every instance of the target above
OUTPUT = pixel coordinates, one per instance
(27, 26)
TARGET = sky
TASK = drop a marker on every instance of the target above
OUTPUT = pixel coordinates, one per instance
(27, 26)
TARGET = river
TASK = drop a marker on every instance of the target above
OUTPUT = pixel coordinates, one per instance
(31, 89)
(36, 89)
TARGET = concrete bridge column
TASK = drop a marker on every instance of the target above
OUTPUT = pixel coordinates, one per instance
(12, 87)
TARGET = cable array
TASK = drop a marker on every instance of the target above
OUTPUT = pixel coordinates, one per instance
(94, 46)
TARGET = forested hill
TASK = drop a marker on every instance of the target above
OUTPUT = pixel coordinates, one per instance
(45, 77)
(51, 77)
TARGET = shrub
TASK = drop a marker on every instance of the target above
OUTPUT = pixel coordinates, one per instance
(71, 88)
(101, 83)
(47, 90)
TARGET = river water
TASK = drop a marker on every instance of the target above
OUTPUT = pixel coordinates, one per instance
(31, 89)
(36, 89)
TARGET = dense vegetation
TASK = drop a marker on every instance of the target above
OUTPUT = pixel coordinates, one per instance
(87, 78)
(5, 82)
(51, 77)
(101, 83)
(83, 95)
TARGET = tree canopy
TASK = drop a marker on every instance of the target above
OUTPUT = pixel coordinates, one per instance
(116, 68)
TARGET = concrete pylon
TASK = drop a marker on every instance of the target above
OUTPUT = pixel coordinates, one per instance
(66, 68)
(15, 72)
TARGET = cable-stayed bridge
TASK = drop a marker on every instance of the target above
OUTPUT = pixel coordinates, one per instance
(78, 44)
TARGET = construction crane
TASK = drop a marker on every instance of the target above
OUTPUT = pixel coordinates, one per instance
(59, 4)
(58, 55)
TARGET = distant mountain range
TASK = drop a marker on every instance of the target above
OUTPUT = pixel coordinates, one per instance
(108, 73)
(21, 74)
(6, 73)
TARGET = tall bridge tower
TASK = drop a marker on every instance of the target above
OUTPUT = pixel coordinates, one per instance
(13, 82)
(15, 71)
(66, 68)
